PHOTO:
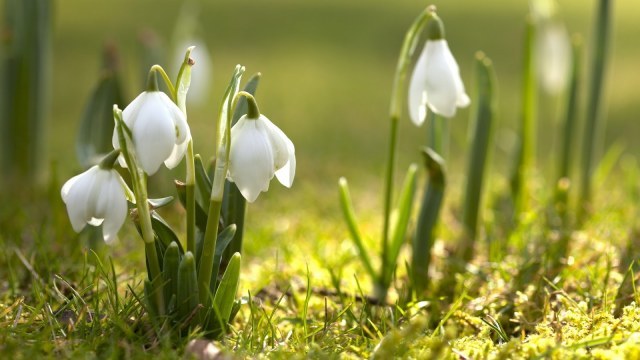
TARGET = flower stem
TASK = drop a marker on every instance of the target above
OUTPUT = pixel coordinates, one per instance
(205, 268)
(179, 94)
(252, 106)
(569, 126)
(165, 78)
(397, 102)
(526, 152)
(138, 179)
(592, 127)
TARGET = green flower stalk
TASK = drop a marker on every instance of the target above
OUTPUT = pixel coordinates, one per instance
(183, 83)
(592, 129)
(571, 109)
(205, 267)
(397, 103)
(525, 159)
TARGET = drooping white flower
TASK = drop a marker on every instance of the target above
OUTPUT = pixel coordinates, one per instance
(260, 150)
(96, 197)
(159, 131)
(553, 55)
(436, 83)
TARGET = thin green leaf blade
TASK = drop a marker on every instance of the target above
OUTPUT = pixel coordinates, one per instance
(352, 224)
(399, 228)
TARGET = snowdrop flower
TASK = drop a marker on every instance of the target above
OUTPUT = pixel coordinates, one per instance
(96, 197)
(553, 46)
(159, 131)
(259, 150)
(553, 56)
(435, 82)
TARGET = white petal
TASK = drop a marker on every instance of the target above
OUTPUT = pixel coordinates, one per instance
(176, 155)
(553, 57)
(286, 174)
(251, 158)
(441, 82)
(183, 133)
(417, 91)
(462, 99)
(177, 116)
(115, 207)
(75, 194)
(279, 143)
(154, 135)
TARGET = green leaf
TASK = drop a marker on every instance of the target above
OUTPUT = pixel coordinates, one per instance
(427, 219)
(224, 238)
(399, 228)
(164, 234)
(203, 183)
(161, 202)
(96, 125)
(350, 219)
(150, 298)
(170, 271)
(480, 138)
(224, 298)
(229, 95)
(184, 81)
(201, 214)
(187, 293)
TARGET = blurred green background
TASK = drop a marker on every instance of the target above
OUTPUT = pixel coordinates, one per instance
(327, 70)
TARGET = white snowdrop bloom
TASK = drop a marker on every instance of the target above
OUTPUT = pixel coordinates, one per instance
(260, 150)
(553, 56)
(96, 197)
(159, 131)
(436, 83)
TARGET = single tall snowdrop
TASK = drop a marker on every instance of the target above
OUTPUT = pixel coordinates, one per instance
(553, 47)
(435, 83)
(259, 150)
(158, 128)
(96, 197)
